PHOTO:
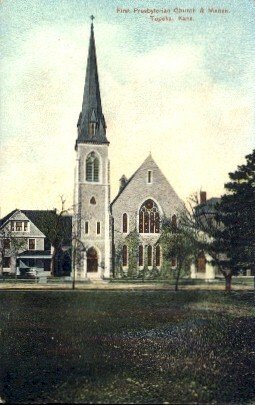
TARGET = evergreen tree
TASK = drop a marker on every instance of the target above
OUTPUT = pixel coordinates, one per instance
(236, 212)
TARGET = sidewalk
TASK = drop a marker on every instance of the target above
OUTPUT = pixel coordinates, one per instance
(105, 285)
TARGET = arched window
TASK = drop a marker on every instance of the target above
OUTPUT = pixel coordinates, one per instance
(149, 217)
(92, 168)
(158, 255)
(124, 255)
(141, 255)
(149, 255)
(124, 223)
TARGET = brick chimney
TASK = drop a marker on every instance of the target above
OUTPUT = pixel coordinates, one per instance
(123, 181)
(202, 197)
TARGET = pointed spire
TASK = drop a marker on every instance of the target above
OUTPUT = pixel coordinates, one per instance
(91, 124)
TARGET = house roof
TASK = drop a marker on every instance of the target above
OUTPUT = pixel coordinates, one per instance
(32, 253)
(209, 207)
(39, 219)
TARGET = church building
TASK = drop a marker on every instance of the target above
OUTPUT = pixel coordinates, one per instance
(102, 228)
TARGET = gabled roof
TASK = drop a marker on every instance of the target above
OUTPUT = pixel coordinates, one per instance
(7, 217)
(37, 217)
(149, 162)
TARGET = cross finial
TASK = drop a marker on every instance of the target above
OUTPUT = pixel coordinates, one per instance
(92, 18)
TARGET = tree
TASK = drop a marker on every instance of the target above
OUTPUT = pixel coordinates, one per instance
(57, 229)
(236, 212)
(179, 243)
(227, 226)
(132, 241)
(10, 245)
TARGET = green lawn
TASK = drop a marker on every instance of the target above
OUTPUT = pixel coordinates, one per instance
(127, 346)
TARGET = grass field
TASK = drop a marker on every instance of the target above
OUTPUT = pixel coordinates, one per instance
(127, 346)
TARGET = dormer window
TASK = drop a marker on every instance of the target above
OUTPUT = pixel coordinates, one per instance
(19, 226)
(92, 128)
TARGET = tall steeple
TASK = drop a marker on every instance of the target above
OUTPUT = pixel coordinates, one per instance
(91, 124)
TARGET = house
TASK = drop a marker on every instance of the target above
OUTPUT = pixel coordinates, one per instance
(25, 242)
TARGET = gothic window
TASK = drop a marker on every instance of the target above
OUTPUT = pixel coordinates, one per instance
(149, 176)
(124, 255)
(149, 255)
(86, 227)
(158, 255)
(98, 228)
(93, 201)
(149, 217)
(124, 223)
(92, 168)
(141, 255)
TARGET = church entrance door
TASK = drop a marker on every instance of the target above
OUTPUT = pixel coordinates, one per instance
(92, 260)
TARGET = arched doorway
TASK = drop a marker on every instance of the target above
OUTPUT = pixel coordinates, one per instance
(92, 260)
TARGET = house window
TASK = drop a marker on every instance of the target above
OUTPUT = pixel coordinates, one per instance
(149, 255)
(86, 227)
(7, 244)
(124, 223)
(140, 255)
(149, 218)
(31, 244)
(19, 226)
(25, 226)
(92, 168)
(6, 262)
(149, 179)
(124, 255)
(12, 226)
(173, 262)
(98, 228)
(158, 255)
(92, 128)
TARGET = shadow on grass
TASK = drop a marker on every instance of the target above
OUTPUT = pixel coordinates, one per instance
(124, 347)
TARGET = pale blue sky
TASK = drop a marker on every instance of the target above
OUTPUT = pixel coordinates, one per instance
(184, 90)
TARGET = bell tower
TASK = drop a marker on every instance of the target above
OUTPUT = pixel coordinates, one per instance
(92, 185)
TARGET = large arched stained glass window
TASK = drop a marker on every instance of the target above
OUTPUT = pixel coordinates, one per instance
(149, 218)
(92, 168)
